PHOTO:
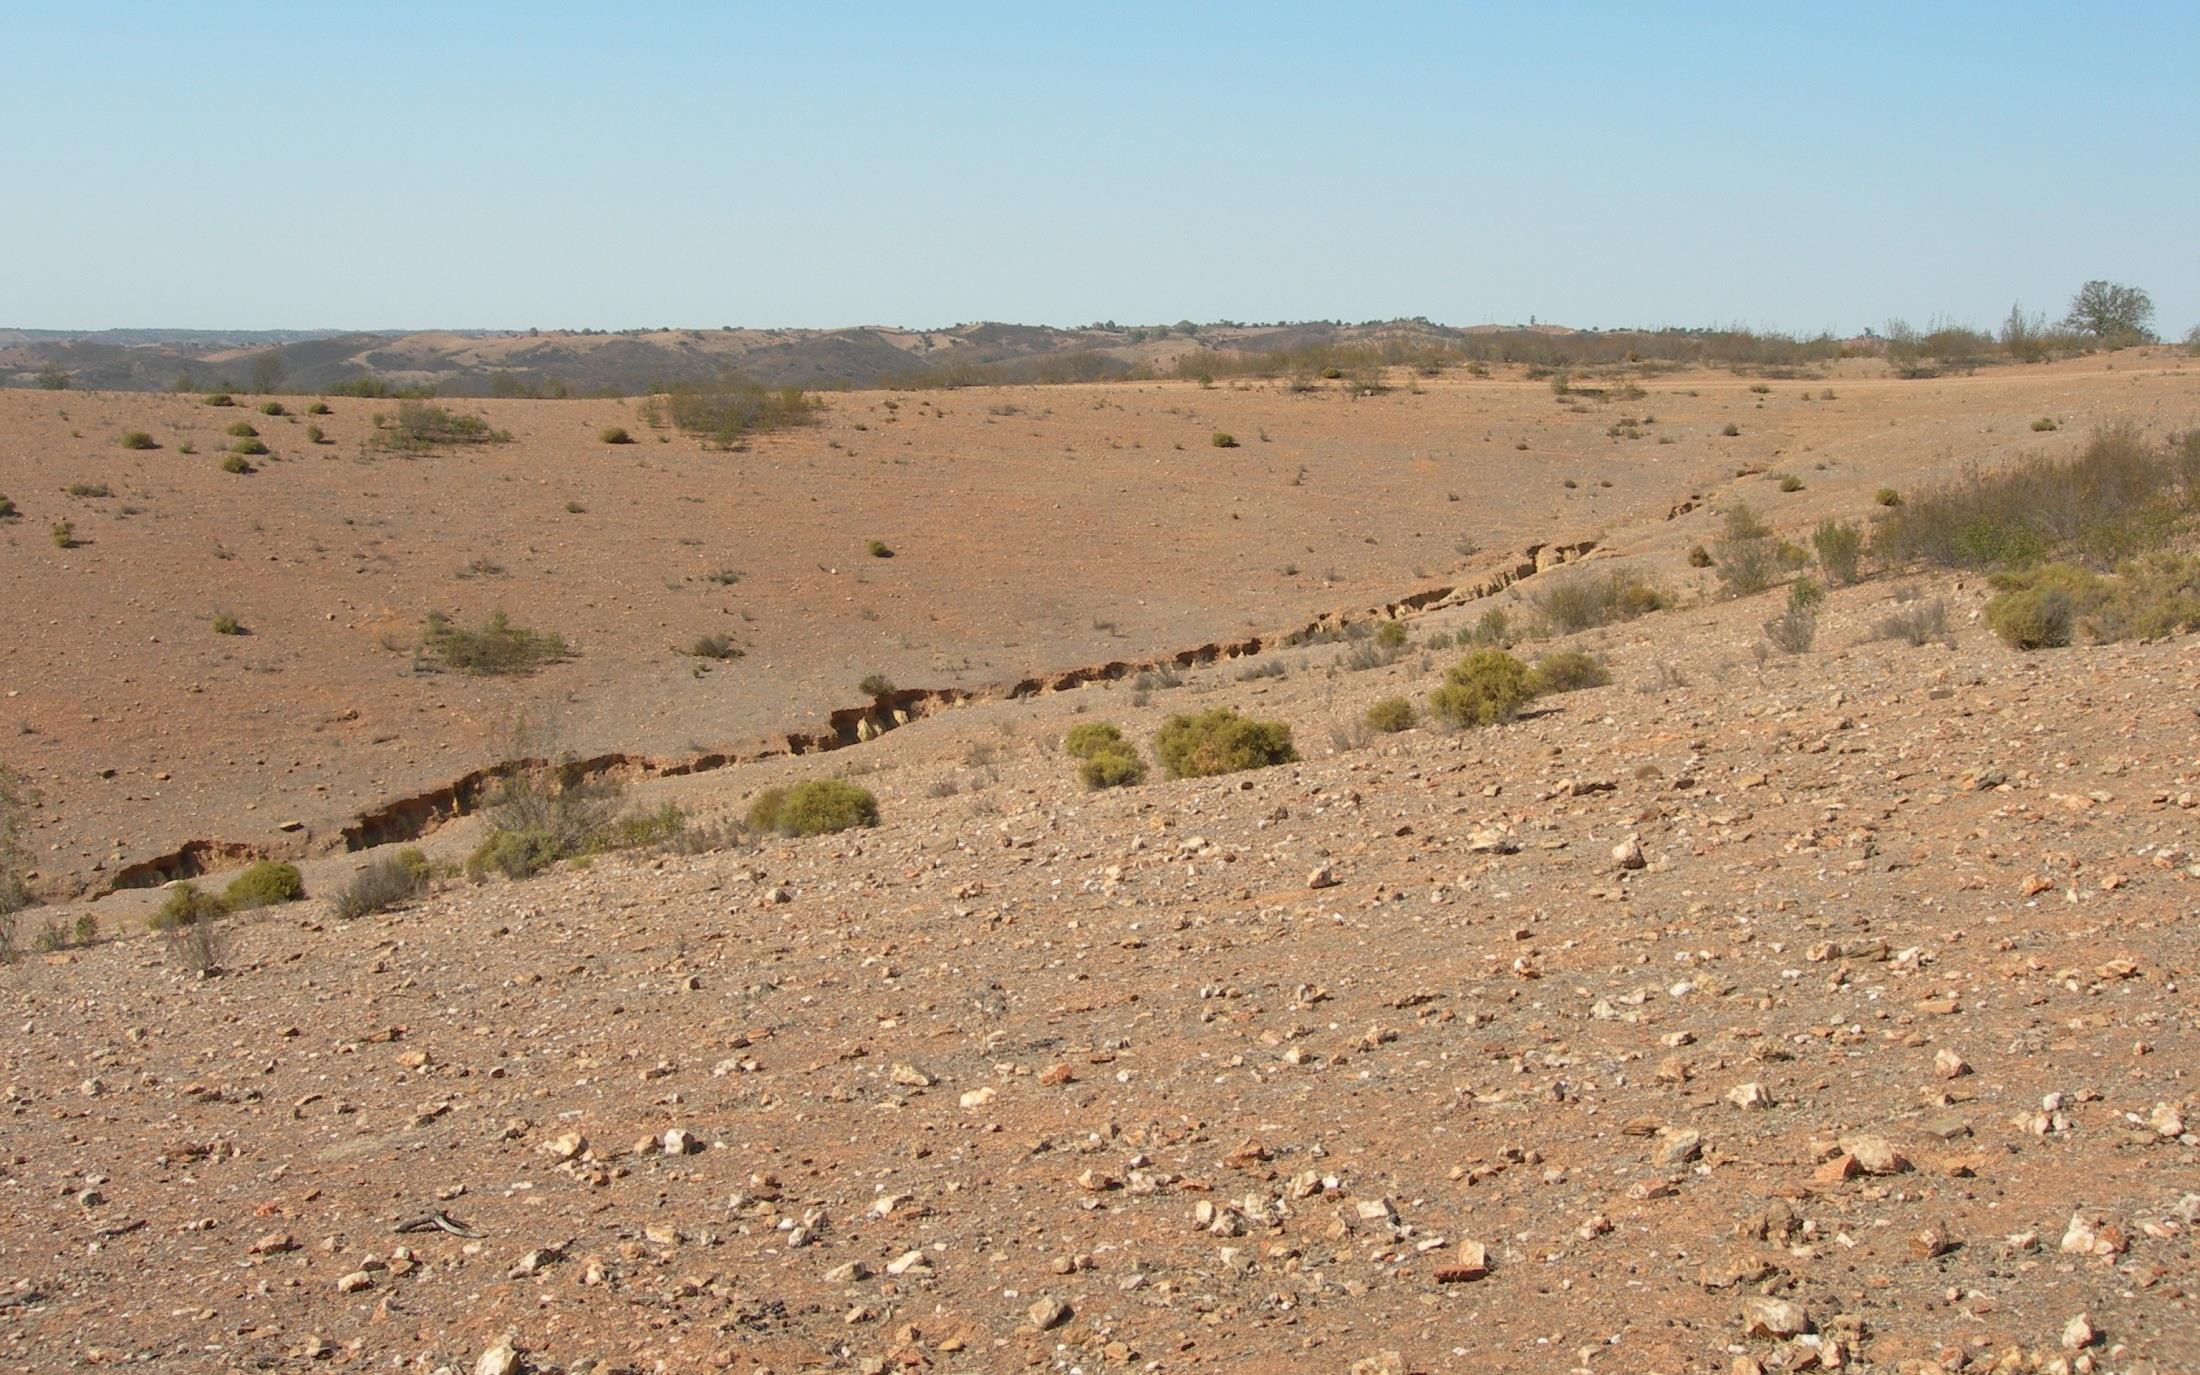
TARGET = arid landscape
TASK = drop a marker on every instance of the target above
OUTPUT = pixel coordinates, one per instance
(1770, 990)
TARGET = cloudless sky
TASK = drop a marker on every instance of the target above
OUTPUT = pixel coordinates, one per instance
(552, 164)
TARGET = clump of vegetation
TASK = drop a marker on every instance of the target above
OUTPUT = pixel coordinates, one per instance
(2117, 496)
(1840, 546)
(187, 905)
(64, 534)
(726, 410)
(1887, 496)
(821, 806)
(418, 427)
(2054, 604)
(2045, 424)
(1108, 760)
(241, 429)
(1789, 482)
(264, 885)
(1223, 439)
(384, 884)
(494, 646)
(1698, 556)
(7, 509)
(1486, 688)
(1593, 599)
(1731, 430)
(1391, 715)
(226, 623)
(543, 813)
(318, 408)
(1919, 625)
(1796, 628)
(615, 434)
(1221, 741)
(876, 686)
(96, 491)
(1492, 628)
(271, 408)
(220, 398)
(714, 647)
(15, 806)
(1567, 670)
(251, 447)
(1749, 556)
(315, 435)
(139, 439)
(878, 549)
(236, 464)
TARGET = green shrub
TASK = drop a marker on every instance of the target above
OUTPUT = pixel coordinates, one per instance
(241, 429)
(318, 408)
(1840, 546)
(418, 427)
(1749, 556)
(64, 534)
(1391, 635)
(1112, 766)
(139, 439)
(187, 905)
(1090, 738)
(7, 509)
(226, 623)
(643, 830)
(235, 463)
(1567, 670)
(264, 885)
(1391, 715)
(271, 408)
(495, 646)
(2034, 617)
(514, 854)
(615, 434)
(725, 410)
(1887, 496)
(1789, 482)
(2044, 424)
(1593, 599)
(820, 806)
(254, 447)
(1793, 630)
(878, 549)
(220, 398)
(383, 884)
(1221, 741)
(1493, 627)
(2051, 605)
(315, 435)
(1223, 439)
(1486, 688)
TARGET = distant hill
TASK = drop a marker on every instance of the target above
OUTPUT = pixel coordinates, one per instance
(626, 362)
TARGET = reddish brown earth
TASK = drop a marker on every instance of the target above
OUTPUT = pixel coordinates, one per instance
(1230, 1074)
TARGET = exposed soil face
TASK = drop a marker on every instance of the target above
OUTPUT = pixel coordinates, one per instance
(1034, 530)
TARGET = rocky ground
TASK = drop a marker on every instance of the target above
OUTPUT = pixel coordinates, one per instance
(1750, 1013)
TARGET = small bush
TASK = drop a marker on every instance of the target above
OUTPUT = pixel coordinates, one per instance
(1568, 670)
(1090, 738)
(187, 905)
(264, 885)
(1749, 556)
(615, 434)
(878, 549)
(1731, 430)
(318, 408)
(1840, 546)
(419, 427)
(1391, 715)
(2050, 606)
(383, 884)
(2045, 424)
(93, 491)
(226, 623)
(495, 646)
(272, 408)
(726, 410)
(1592, 599)
(514, 854)
(220, 398)
(64, 534)
(714, 647)
(1795, 629)
(7, 509)
(235, 463)
(1220, 741)
(1492, 628)
(820, 806)
(2034, 617)
(315, 435)
(1919, 625)
(1698, 556)
(1112, 766)
(1223, 439)
(876, 686)
(1486, 688)
(1391, 635)
(253, 447)
(241, 429)
(1887, 496)
(139, 439)
(1789, 482)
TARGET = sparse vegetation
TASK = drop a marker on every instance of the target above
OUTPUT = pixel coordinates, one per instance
(1223, 439)
(1919, 625)
(383, 884)
(1220, 741)
(1731, 429)
(240, 429)
(186, 905)
(1789, 482)
(226, 623)
(64, 534)
(220, 398)
(1840, 547)
(251, 447)
(264, 885)
(1796, 628)
(878, 549)
(1486, 688)
(1391, 715)
(1749, 557)
(2054, 604)
(726, 410)
(139, 439)
(821, 806)
(90, 491)
(615, 434)
(1108, 760)
(876, 686)
(1587, 600)
(495, 646)
(2045, 424)
(318, 408)
(15, 806)
(235, 464)
(714, 647)
(1887, 496)
(272, 408)
(7, 509)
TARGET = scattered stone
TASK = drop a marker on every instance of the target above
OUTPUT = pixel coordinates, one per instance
(1749, 1096)
(1049, 1313)
(1777, 1319)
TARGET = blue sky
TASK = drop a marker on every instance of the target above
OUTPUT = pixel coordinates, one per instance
(547, 164)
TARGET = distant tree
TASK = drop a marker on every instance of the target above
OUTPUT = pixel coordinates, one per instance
(2112, 311)
(53, 378)
(2192, 339)
(266, 371)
